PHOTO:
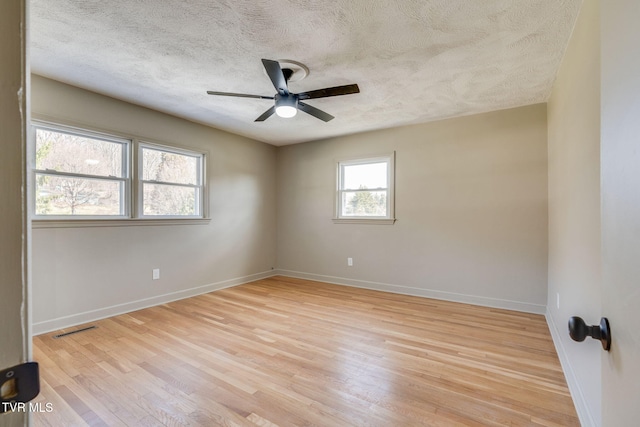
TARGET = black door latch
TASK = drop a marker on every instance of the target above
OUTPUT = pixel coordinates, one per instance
(18, 384)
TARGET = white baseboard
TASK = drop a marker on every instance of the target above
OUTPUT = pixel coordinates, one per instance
(428, 293)
(102, 313)
(582, 408)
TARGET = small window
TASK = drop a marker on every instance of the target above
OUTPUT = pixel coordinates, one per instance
(365, 189)
(80, 174)
(170, 182)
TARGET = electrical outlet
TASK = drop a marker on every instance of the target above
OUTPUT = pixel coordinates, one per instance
(156, 274)
(558, 300)
(350, 262)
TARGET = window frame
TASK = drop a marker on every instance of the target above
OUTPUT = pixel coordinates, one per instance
(387, 219)
(132, 194)
(201, 167)
(124, 181)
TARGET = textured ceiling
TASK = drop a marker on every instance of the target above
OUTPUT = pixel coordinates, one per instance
(414, 60)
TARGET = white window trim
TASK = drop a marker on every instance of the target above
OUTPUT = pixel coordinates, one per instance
(124, 222)
(389, 219)
(201, 197)
(131, 196)
(124, 180)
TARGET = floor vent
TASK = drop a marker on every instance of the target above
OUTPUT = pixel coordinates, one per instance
(74, 332)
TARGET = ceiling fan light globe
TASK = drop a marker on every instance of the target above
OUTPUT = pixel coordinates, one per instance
(286, 111)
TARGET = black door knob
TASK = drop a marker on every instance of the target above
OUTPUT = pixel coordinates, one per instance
(579, 330)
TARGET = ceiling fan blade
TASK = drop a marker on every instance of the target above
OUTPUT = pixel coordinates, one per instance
(241, 95)
(325, 117)
(266, 114)
(330, 91)
(276, 75)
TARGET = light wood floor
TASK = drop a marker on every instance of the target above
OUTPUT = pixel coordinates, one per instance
(291, 352)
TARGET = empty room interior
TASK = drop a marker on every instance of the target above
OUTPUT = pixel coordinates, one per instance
(284, 213)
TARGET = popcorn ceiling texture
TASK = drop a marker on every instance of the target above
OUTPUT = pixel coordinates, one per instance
(414, 60)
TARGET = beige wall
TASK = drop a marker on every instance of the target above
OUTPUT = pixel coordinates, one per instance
(471, 203)
(574, 210)
(80, 274)
(14, 337)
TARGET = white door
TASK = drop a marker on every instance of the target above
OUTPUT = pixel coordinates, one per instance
(620, 169)
(14, 335)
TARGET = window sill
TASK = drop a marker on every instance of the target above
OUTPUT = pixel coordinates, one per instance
(380, 221)
(127, 222)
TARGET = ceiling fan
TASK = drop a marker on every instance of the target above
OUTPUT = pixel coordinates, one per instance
(287, 103)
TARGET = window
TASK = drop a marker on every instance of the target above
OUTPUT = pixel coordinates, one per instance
(365, 190)
(80, 174)
(171, 182)
(84, 175)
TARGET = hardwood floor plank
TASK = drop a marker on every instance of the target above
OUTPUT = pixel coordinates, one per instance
(283, 351)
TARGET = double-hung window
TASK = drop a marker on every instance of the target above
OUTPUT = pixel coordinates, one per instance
(85, 175)
(170, 183)
(365, 190)
(81, 174)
